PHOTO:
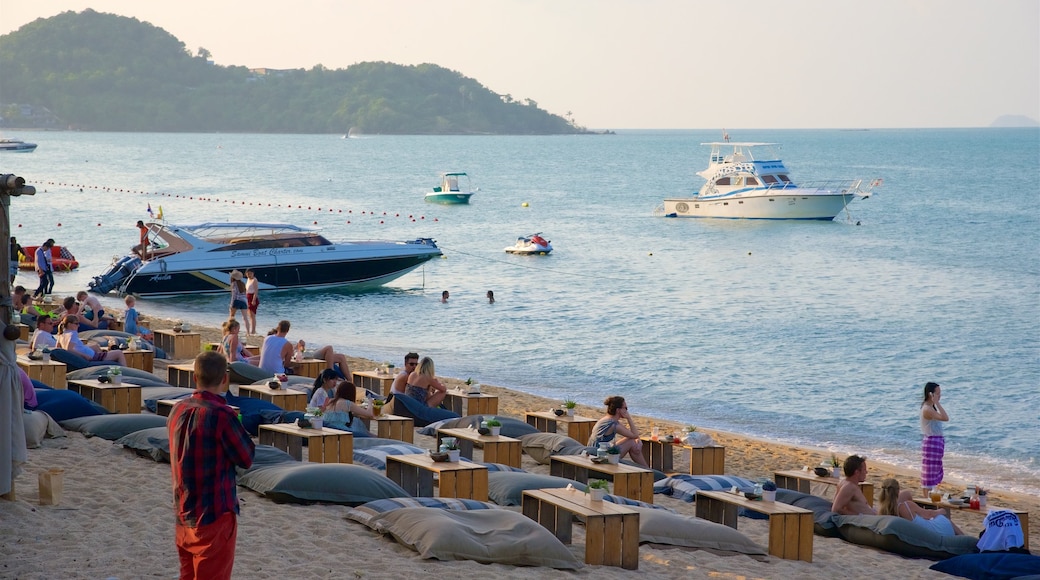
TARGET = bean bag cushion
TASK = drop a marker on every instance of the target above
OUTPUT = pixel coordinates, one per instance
(626, 501)
(823, 517)
(113, 427)
(152, 443)
(502, 467)
(507, 487)
(267, 455)
(685, 487)
(375, 457)
(256, 412)
(75, 362)
(63, 405)
(118, 337)
(306, 482)
(895, 534)
(991, 565)
(510, 427)
(419, 412)
(149, 395)
(38, 426)
(662, 528)
(367, 442)
(243, 373)
(541, 446)
(485, 536)
(367, 514)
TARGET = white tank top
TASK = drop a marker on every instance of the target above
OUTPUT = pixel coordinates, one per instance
(930, 427)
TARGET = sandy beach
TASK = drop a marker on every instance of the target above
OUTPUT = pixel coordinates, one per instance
(115, 520)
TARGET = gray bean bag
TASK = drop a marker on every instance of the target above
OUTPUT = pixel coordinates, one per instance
(895, 534)
(823, 517)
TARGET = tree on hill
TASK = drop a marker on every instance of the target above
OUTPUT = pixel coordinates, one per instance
(106, 72)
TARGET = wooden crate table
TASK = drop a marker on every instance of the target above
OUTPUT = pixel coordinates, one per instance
(497, 449)
(578, 428)
(288, 399)
(1023, 515)
(466, 404)
(707, 460)
(124, 398)
(179, 345)
(51, 373)
(392, 427)
(461, 479)
(611, 531)
(659, 454)
(324, 445)
(23, 331)
(140, 359)
(115, 324)
(790, 527)
(803, 480)
(629, 481)
(373, 381)
(308, 367)
(182, 375)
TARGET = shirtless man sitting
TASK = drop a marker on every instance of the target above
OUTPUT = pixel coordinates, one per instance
(411, 360)
(849, 499)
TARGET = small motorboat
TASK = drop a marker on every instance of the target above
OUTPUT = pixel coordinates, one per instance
(533, 244)
(61, 258)
(16, 146)
(454, 189)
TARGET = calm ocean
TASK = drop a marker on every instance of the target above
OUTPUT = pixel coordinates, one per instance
(818, 333)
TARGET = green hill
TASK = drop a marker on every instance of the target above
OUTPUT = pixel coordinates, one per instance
(103, 72)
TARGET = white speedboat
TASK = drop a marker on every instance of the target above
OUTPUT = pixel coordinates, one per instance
(198, 259)
(533, 244)
(16, 146)
(454, 189)
(740, 184)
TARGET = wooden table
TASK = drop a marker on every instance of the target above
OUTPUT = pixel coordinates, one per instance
(23, 331)
(124, 398)
(471, 403)
(611, 530)
(179, 345)
(373, 381)
(309, 367)
(324, 445)
(497, 449)
(703, 460)
(115, 324)
(414, 473)
(140, 359)
(182, 375)
(51, 373)
(392, 427)
(629, 481)
(790, 527)
(578, 428)
(802, 481)
(288, 399)
(1023, 515)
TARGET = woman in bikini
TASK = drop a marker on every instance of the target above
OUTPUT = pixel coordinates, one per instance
(894, 502)
(423, 384)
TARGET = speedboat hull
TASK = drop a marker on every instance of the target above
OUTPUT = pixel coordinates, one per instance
(766, 206)
(16, 146)
(448, 198)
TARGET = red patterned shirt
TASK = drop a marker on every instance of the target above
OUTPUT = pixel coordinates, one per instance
(207, 441)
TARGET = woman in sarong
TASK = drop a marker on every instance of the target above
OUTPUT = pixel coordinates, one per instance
(933, 445)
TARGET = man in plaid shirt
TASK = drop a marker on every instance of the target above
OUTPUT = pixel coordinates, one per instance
(207, 442)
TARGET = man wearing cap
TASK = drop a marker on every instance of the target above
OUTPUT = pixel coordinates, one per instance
(44, 268)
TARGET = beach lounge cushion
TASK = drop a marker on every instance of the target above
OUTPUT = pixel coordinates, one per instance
(75, 362)
(420, 414)
(663, 528)
(375, 457)
(265, 456)
(627, 501)
(63, 405)
(485, 536)
(243, 373)
(113, 427)
(502, 467)
(38, 426)
(823, 517)
(685, 487)
(542, 446)
(507, 487)
(900, 536)
(991, 565)
(511, 427)
(152, 443)
(337, 483)
(367, 514)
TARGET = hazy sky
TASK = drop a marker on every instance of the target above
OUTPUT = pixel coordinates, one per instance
(649, 63)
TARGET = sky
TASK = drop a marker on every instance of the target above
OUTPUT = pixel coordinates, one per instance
(650, 64)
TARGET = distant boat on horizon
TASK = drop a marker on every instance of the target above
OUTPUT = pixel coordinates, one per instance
(16, 146)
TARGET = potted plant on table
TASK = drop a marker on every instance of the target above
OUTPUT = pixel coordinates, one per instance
(769, 491)
(115, 374)
(569, 405)
(597, 489)
(495, 426)
(835, 464)
(451, 446)
(614, 454)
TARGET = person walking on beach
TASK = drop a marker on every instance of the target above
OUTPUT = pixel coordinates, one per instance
(933, 444)
(610, 426)
(238, 296)
(252, 301)
(849, 499)
(44, 268)
(207, 443)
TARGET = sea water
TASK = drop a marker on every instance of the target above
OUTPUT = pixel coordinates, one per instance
(816, 333)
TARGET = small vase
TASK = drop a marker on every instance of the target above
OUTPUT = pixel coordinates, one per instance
(836, 473)
(495, 431)
(597, 494)
(614, 458)
(117, 379)
(453, 455)
(769, 495)
(317, 423)
(46, 357)
(570, 412)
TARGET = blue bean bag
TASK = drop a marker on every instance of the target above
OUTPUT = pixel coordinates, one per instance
(74, 362)
(991, 566)
(63, 405)
(420, 413)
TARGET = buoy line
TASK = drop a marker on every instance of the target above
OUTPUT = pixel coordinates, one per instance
(528, 267)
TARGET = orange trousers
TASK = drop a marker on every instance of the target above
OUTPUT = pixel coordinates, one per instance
(208, 552)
